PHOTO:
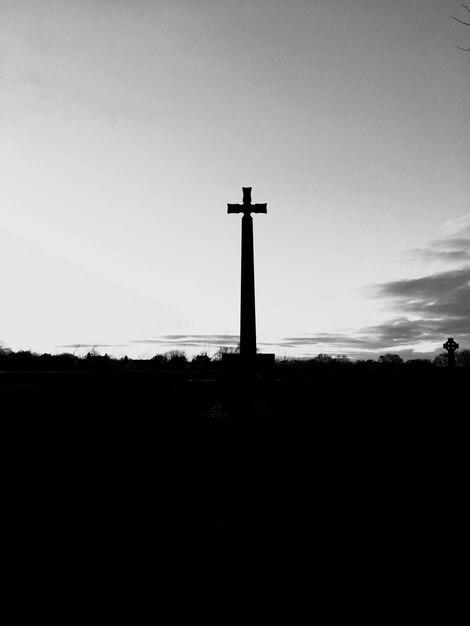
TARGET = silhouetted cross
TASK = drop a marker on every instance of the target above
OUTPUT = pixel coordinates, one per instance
(246, 208)
(247, 300)
(451, 346)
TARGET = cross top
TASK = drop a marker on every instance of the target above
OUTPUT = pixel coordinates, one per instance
(451, 345)
(246, 208)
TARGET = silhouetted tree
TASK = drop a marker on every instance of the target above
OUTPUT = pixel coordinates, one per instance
(23, 360)
(4, 355)
(159, 361)
(342, 360)
(462, 358)
(323, 359)
(440, 360)
(225, 350)
(200, 361)
(419, 364)
(390, 359)
(176, 359)
(62, 362)
(96, 361)
(366, 364)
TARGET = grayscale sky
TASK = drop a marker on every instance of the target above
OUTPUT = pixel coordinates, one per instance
(127, 125)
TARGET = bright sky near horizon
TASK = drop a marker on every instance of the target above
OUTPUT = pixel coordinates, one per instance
(127, 126)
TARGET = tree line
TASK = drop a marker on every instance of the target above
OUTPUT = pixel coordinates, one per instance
(25, 360)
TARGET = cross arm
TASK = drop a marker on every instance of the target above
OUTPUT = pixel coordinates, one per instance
(247, 208)
(234, 208)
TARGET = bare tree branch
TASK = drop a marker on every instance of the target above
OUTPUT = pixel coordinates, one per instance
(467, 8)
(461, 21)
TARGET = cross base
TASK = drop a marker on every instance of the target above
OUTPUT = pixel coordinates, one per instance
(236, 365)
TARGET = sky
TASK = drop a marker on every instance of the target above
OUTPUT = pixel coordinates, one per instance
(127, 126)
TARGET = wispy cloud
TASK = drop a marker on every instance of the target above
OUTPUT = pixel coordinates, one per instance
(326, 339)
(438, 303)
(93, 345)
(432, 307)
(459, 225)
(453, 249)
(427, 311)
(190, 341)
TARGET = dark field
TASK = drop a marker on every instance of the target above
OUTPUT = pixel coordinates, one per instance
(356, 467)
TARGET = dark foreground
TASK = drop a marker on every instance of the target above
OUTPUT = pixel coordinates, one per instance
(341, 472)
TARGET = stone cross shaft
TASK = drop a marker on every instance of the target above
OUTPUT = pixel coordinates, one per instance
(451, 346)
(247, 301)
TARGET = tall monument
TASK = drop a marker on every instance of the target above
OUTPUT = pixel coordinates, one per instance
(247, 303)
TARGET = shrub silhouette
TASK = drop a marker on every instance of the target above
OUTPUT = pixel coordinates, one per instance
(201, 361)
(176, 359)
(390, 360)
